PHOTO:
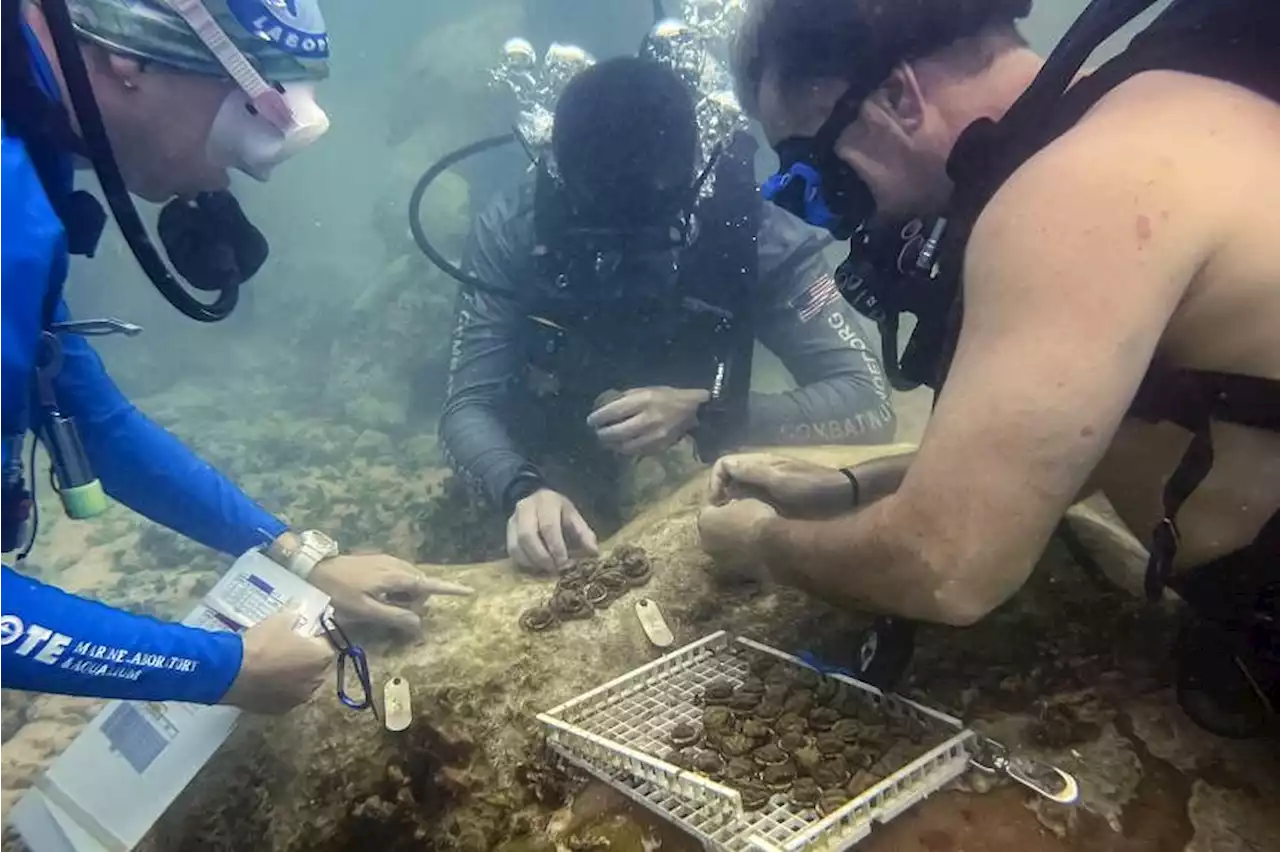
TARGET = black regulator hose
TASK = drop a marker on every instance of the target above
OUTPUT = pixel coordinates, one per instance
(113, 186)
(438, 168)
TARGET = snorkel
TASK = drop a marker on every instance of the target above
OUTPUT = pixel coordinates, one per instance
(259, 125)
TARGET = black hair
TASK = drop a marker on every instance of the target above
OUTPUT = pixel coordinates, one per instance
(625, 140)
(856, 40)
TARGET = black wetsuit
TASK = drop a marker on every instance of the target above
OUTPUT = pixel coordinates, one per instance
(1235, 596)
(530, 357)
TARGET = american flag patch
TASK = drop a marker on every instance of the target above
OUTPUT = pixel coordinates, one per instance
(814, 298)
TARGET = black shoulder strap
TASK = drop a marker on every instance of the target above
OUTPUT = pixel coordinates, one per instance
(44, 127)
(46, 132)
(1231, 40)
(27, 110)
(986, 155)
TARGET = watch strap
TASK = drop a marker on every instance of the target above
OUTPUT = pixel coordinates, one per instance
(301, 553)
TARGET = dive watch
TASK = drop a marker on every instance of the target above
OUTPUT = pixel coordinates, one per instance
(302, 552)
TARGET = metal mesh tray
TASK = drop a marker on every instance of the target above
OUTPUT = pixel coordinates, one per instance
(616, 730)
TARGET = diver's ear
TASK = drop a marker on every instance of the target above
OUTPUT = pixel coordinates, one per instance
(902, 100)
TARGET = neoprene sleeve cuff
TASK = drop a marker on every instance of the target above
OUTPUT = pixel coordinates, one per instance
(53, 641)
(524, 483)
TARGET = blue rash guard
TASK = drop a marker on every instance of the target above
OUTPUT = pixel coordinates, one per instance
(50, 640)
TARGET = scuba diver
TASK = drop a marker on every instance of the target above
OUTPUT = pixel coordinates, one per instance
(162, 99)
(1097, 310)
(612, 312)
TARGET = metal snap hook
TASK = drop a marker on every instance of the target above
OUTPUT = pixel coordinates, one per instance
(1043, 778)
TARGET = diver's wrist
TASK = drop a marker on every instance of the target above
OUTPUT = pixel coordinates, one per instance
(523, 484)
(282, 549)
(301, 552)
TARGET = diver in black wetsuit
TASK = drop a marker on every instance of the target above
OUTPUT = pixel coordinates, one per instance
(1108, 264)
(618, 313)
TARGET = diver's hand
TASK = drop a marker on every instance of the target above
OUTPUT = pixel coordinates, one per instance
(379, 589)
(280, 669)
(730, 535)
(545, 530)
(790, 485)
(644, 421)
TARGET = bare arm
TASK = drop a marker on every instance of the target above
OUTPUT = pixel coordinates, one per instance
(1070, 278)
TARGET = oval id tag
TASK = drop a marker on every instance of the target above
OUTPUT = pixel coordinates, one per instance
(395, 702)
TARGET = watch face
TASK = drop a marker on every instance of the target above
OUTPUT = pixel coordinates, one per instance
(319, 541)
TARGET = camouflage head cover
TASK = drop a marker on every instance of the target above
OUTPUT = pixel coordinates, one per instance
(285, 39)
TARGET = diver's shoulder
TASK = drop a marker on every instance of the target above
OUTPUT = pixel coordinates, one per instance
(503, 231)
(1203, 140)
(507, 211)
(1139, 181)
(500, 247)
(1175, 109)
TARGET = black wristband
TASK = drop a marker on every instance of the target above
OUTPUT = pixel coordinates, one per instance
(853, 480)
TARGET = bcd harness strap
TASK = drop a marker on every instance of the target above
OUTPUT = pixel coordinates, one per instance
(1193, 399)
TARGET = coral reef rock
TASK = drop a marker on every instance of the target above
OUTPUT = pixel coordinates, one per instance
(472, 772)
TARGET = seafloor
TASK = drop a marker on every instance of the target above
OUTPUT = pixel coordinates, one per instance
(1072, 669)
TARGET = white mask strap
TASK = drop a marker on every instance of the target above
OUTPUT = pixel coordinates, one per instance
(268, 102)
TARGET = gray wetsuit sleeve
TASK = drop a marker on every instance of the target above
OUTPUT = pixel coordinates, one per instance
(842, 395)
(485, 361)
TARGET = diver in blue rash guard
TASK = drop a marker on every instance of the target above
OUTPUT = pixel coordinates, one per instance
(162, 112)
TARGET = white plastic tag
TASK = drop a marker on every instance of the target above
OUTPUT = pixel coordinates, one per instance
(655, 626)
(396, 704)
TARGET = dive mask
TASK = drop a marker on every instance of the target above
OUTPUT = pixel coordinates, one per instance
(814, 184)
(260, 124)
(615, 265)
(638, 259)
